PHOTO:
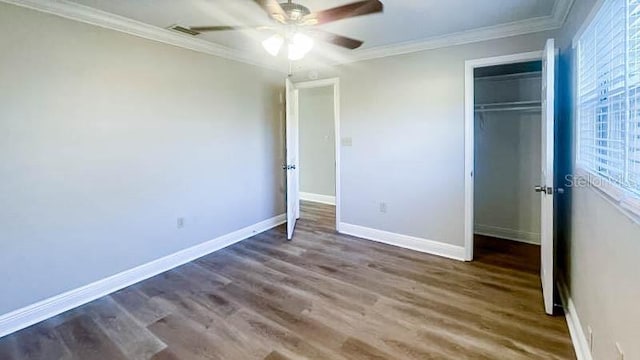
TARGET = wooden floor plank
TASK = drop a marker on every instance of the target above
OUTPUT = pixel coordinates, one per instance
(135, 342)
(322, 295)
(275, 355)
(86, 341)
(185, 339)
(139, 305)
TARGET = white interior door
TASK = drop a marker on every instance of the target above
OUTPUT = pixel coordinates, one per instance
(547, 188)
(291, 167)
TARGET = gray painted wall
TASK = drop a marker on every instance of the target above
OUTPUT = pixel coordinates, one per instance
(317, 141)
(405, 117)
(507, 162)
(599, 249)
(106, 139)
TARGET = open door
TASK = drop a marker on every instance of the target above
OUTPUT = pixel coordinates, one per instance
(291, 167)
(547, 187)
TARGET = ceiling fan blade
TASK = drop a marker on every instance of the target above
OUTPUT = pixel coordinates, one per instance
(273, 8)
(338, 40)
(342, 12)
(225, 28)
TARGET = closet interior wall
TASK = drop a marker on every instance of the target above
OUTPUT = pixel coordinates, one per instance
(507, 156)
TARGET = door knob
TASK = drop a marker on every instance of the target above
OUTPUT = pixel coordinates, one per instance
(544, 189)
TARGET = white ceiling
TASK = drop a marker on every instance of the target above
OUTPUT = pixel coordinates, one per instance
(405, 25)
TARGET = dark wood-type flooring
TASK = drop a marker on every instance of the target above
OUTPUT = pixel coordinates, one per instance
(320, 296)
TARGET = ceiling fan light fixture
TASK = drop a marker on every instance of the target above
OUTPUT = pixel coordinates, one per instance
(295, 53)
(299, 46)
(304, 42)
(273, 44)
(289, 16)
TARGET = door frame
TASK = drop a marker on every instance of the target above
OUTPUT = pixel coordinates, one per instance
(335, 83)
(469, 134)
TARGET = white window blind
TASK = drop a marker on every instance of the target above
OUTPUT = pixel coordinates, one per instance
(633, 58)
(609, 94)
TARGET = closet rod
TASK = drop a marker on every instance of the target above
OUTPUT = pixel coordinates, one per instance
(527, 75)
(510, 103)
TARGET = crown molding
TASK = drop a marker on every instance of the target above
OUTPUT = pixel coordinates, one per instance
(561, 11)
(119, 23)
(554, 21)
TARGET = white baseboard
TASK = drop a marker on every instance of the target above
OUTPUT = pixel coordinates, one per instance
(578, 337)
(42, 310)
(509, 234)
(322, 199)
(405, 241)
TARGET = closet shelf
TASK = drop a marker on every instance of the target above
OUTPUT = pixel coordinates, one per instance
(526, 75)
(510, 106)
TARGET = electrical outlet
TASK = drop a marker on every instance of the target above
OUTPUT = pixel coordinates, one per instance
(383, 207)
(180, 222)
(620, 352)
(590, 338)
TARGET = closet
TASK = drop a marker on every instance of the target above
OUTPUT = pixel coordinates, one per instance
(507, 152)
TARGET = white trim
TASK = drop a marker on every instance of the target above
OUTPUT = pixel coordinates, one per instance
(554, 21)
(585, 23)
(625, 202)
(336, 115)
(561, 10)
(469, 116)
(405, 241)
(32, 314)
(508, 234)
(335, 83)
(296, 104)
(108, 20)
(316, 83)
(632, 204)
(612, 191)
(318, 198)
(578, 337)
(89, 15)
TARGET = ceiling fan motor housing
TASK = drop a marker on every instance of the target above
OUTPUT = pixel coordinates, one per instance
(295, 11)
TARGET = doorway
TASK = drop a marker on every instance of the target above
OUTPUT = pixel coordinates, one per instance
(509, 157)
(316, 145)
(507, 148)
(313, 151)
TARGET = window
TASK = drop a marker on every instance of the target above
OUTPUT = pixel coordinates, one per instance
(609, 97)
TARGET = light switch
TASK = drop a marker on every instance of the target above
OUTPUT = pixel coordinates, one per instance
(346, 141)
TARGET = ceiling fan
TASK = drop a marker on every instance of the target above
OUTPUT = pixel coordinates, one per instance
(295, 24)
